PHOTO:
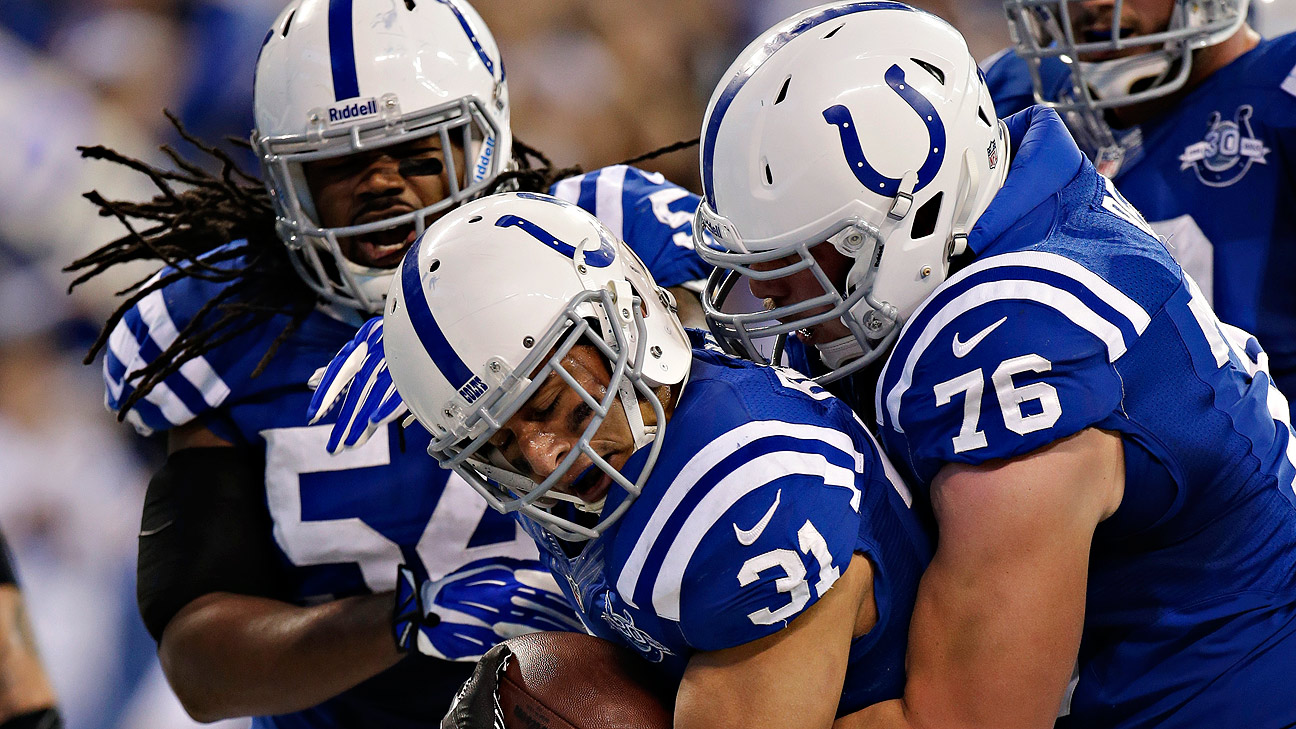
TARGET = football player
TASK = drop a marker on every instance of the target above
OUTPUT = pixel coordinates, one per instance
(1193, 115)
(1110, 467)
(733, 523)
(267, 566)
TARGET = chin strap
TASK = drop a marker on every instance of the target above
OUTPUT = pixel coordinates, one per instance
(1117, 77)
(838, 352)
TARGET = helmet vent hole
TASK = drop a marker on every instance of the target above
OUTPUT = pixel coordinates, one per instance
(782, 94)
(936, 73)
(984, 119)
(287, 24)
(833, 32)
(432, 267)
(769, 174)
(924, 223)
(409, 4)
(475, 219)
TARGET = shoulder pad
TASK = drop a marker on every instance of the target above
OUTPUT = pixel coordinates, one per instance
(750, 531)
(1003, 359)
(145, 332)
(653, 216)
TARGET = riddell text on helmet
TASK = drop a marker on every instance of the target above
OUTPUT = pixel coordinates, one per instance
(354, 110)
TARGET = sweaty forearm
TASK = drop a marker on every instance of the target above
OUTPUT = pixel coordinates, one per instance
(230, 655)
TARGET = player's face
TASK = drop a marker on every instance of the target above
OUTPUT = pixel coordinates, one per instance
(541, 434)
(1095, 22)
(369, 186)
(802, 285)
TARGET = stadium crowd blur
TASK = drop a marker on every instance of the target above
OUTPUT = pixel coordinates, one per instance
(592, 82)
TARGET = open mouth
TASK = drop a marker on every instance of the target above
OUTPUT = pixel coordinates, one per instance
(383, 249)
(592, 485)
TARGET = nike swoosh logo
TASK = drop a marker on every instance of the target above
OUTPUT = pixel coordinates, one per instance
(961, 349)
(747, 537)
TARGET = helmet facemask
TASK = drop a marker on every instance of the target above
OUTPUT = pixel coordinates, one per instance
(1045, 29)
(588, 319)
(315, 250)
(335, 79)
(762, 334)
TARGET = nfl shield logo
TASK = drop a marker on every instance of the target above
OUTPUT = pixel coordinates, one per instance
(992, 153)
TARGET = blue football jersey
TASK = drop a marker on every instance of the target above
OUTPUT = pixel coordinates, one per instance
(1216, 176)
(641, 208)
(764, 488)
(1009, 81)
(343, 523)
(1073, 315)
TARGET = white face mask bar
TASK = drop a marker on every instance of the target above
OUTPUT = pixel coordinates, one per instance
(1043, 29)
(467, 449)
(872, 323)
(331, 275)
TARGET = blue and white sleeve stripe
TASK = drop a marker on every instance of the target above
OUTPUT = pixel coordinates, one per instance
(139, 338)
(743, 480)
(1049, 279)
(658, 559)
(600, 193)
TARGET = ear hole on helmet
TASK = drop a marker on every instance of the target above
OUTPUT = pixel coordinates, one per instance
(833, 32)
(287, 24)
(936, 73)
(432, 267)
(782, 94)
(924, 223)
(982, 116)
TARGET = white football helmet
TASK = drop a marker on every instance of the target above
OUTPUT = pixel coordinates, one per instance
(486, 305)
(863, 124)
(1043, 30)
(340, 77)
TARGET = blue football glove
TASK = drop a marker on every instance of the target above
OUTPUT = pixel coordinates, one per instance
(358, 380)
(462, 615)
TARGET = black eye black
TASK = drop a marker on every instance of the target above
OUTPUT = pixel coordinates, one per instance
(420, 166)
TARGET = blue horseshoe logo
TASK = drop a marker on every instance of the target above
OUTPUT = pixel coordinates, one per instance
(600, 258)
(840, 117)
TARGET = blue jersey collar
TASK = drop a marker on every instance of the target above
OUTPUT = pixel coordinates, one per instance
(1044, 160)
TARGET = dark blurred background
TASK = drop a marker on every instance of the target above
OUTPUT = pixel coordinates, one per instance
(592, 82)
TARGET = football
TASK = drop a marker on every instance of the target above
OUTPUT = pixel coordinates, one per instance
(576, 681)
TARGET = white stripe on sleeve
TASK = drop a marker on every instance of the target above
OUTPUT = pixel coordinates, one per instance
(702, 462)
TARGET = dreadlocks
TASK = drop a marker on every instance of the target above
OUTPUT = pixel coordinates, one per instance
(188, 232)
(190, 225)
